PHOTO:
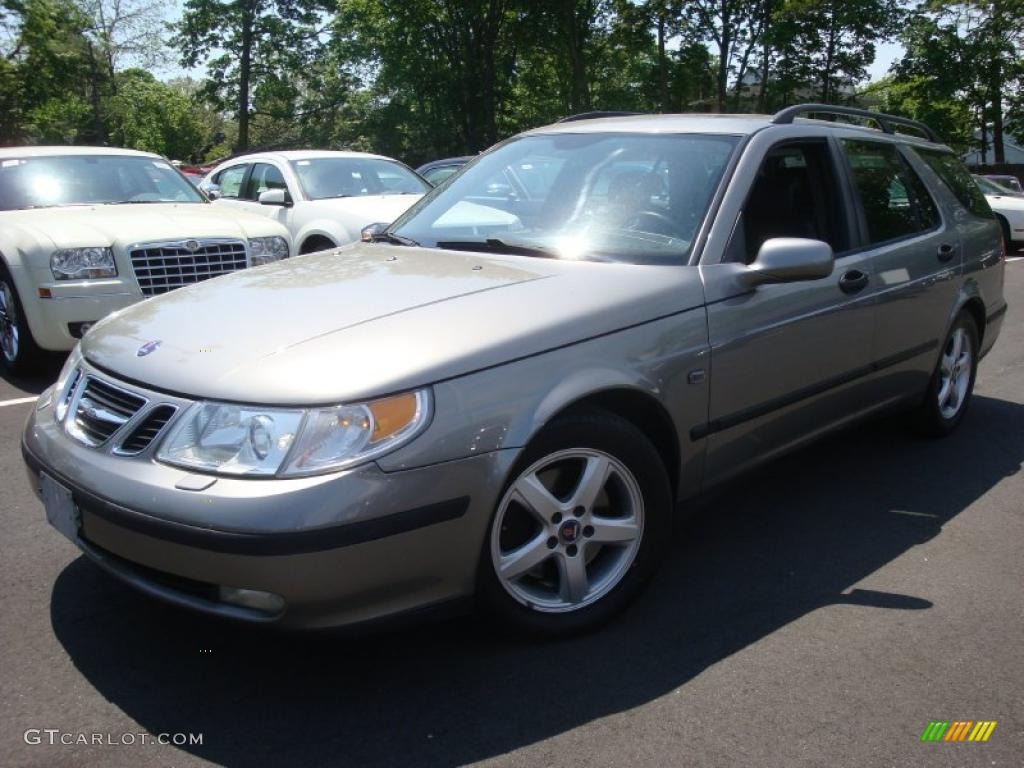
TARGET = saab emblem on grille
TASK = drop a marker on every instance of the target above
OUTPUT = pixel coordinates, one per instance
(147, 348)
(191, 246)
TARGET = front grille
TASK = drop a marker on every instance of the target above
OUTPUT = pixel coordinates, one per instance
(147, 430)
(101, 409)
(162, 267)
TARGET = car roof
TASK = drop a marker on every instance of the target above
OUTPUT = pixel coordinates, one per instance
(306, 154)
(737, 125)
(54, 151)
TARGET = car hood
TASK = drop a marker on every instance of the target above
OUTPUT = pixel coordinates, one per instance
(123, 225)
(372, 319)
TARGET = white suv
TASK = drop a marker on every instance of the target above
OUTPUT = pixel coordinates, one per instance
(88, 230)
(324, 198)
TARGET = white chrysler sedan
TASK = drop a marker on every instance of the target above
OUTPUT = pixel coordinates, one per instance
(1009, 209)
(85, 231)
(324, 198)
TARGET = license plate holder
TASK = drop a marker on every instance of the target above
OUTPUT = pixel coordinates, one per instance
(61, 511)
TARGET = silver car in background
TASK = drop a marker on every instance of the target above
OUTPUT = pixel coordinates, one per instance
(506, 395)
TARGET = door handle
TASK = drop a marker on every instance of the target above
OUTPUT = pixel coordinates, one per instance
(853, 281)
(946, 252)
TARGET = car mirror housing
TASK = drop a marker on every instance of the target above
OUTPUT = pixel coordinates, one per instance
(275, 197)
(211, 190)
(790, 260)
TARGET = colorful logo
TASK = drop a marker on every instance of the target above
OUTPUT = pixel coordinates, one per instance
(958, 730)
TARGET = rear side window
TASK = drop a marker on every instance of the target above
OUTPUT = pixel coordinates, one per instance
(896, 202)
(230, 181)
(949, 168)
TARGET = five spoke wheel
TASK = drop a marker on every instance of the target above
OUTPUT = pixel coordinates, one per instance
(954, 373)
(567, 530)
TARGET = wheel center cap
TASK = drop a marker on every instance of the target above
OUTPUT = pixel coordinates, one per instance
(569, 531)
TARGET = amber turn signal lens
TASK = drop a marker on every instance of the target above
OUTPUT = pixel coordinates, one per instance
(391, 414)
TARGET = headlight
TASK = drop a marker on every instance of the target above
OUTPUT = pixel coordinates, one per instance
(267, 249)
(65, 382)
(82, 263)
(248, 440)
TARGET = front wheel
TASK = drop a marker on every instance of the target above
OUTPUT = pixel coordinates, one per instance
(18, 351)
(952, 384)
(579, 528)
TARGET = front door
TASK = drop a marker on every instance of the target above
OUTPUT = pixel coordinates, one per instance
(787, 360)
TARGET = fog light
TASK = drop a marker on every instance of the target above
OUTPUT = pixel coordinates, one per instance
(267, 602)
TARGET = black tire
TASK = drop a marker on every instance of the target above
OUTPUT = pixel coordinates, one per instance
(603, 432)
(315, 244)
(928, 418)
(27, 354)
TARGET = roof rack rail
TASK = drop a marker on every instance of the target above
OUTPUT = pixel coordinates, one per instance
(886, 122)
(595, 116)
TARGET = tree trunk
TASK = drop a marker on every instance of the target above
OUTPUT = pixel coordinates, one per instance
(830, 54)
(767, 6)
(662, 64)
(996, 82)
(244, 74)
(724, 51)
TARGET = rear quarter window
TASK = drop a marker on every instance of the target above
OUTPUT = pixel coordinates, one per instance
(955, 176)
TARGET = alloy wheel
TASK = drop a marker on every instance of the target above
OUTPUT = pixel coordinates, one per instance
(954, 373)
(9, 342)
(567, 530)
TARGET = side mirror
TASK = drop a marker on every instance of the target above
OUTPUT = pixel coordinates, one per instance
(790, 260)
(210, 189)
(275, 197)
(368, 233)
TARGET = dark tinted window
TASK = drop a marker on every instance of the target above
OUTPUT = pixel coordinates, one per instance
(896, 202)
(949, 168)
(795, 195)
(263, 177)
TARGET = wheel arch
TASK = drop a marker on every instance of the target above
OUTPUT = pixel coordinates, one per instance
(633, 404)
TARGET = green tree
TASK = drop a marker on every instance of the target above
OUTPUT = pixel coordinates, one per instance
(147, 114)
(249, 45)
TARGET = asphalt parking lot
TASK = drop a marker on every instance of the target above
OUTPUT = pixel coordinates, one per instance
(822, 612)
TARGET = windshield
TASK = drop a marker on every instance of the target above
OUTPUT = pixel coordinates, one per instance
(325, 177)
(51, 181)
(633, 198)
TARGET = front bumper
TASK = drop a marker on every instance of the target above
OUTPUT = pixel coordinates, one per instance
(339, 549)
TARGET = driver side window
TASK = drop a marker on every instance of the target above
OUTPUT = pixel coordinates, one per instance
(795, 194)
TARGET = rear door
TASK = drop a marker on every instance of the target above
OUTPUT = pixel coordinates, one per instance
(916, 257)
(787, 360)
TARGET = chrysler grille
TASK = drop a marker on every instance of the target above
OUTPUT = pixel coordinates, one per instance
(162, 267)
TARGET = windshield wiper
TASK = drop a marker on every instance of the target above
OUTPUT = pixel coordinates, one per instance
(391, 237)
(494, 245)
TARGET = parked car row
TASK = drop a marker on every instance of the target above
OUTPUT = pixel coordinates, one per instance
(505, 393)
(88, 231)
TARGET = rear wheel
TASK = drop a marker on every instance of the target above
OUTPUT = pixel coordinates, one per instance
(952, 384)
(579, 529)
(18, 350)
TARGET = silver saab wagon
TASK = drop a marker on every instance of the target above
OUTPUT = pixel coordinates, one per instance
(506, 393)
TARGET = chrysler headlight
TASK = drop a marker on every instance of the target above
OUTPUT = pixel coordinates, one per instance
(248, 440)
(267, 249)
(82, 263)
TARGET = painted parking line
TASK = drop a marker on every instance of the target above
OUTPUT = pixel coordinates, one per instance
(1015, 258)
(18, 401)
